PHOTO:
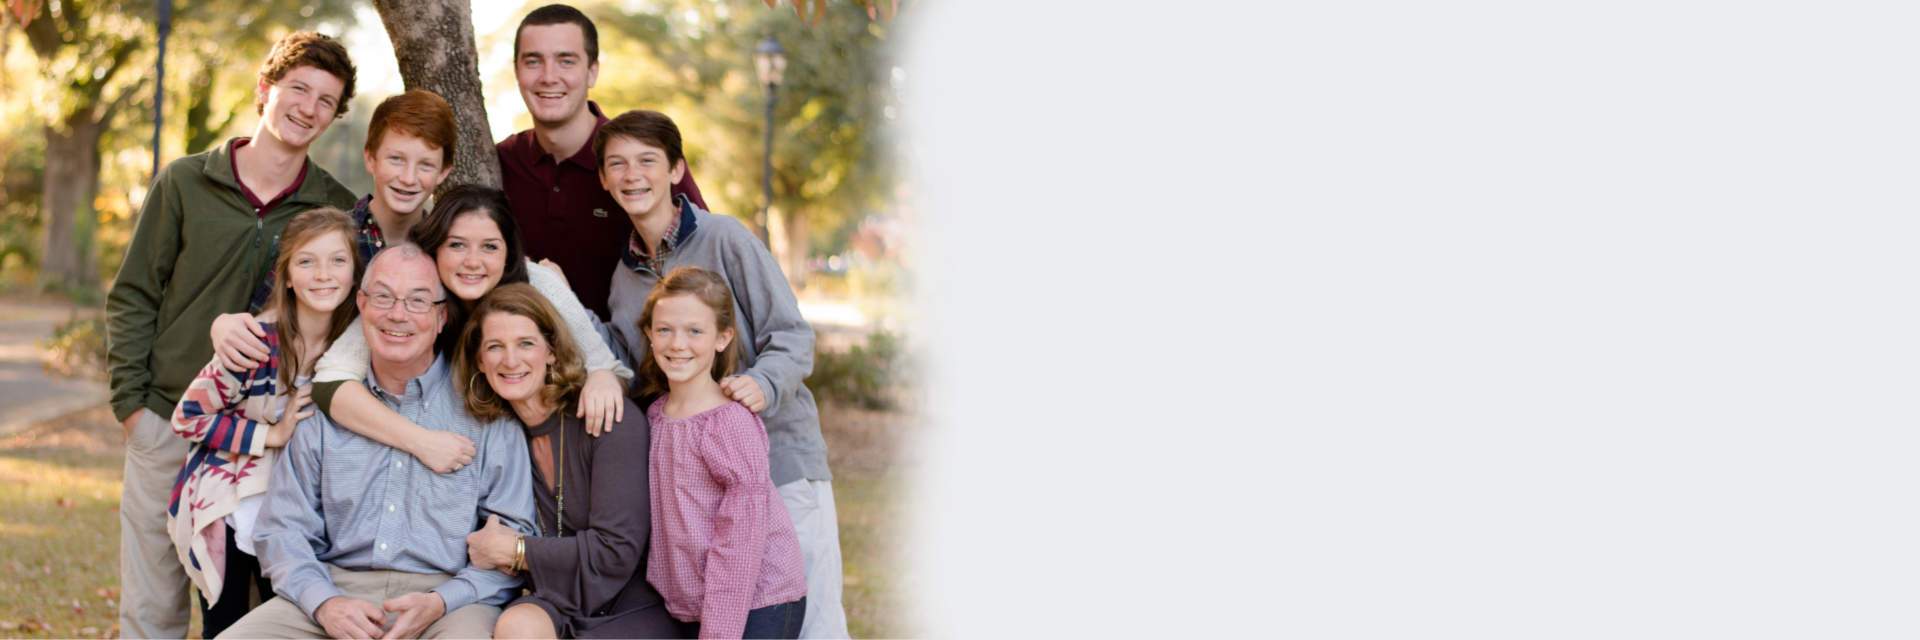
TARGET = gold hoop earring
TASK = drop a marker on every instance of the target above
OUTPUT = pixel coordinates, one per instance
(471, 379)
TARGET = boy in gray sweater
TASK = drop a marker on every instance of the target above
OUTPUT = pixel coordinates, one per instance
(640, 159)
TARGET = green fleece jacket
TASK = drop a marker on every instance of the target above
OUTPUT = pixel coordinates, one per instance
(198, 251)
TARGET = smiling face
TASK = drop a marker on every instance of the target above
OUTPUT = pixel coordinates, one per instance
(474, 256)
(683, 338)
(320, 273)
(553, 72)
(398, 336)
(514, 356)
(639, 176)
(300, 106)
(405, 171)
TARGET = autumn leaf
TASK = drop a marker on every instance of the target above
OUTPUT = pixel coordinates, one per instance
(89, 631)
(24, 11)
(64, 502)
(9, 625)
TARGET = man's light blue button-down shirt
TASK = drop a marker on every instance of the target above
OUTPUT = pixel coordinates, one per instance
(339, 498)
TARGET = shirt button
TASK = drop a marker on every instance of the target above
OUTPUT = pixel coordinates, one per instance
(556, 189)
(389, 507)
(383, 546)
(396, 464)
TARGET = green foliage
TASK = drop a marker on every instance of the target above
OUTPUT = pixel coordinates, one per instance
(866, 375)
(213, 59)
(22, 166)
(82, 61)
(78, 348)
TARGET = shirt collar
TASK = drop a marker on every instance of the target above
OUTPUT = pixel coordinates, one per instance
(371, 241)
(676, 236)
(585, 157)
(532, 153)
(417, 388)
(233, 165)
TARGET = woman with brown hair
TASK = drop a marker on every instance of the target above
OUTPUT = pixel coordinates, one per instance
(587, 566)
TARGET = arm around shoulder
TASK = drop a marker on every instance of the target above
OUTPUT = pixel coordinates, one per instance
(581, 323)
(782, 338)
(209, 413)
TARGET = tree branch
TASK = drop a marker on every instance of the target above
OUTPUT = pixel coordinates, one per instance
(44, 36)
(139, 87)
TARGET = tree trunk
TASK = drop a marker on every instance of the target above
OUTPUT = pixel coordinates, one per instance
(67, 190)
(789, 242)
(433, 42)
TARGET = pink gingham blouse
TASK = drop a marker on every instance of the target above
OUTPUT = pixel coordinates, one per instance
(722, 543)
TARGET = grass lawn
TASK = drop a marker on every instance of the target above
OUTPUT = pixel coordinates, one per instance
(60, 524)
(60, 527)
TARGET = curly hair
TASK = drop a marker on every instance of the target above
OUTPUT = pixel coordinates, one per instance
(308, 49)
(564, 377)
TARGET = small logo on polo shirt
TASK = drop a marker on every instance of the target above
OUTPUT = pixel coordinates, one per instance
(599, 213)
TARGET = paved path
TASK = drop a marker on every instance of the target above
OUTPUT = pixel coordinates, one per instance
(27, 393)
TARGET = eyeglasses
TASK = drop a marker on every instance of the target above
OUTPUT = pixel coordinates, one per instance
(383, 300)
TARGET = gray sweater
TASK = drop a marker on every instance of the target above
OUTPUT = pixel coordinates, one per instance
(776, 343)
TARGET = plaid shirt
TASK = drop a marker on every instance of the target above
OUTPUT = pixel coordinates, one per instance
(368, 241)
(637, 259)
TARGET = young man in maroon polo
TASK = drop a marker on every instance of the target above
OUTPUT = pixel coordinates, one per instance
(549, 172)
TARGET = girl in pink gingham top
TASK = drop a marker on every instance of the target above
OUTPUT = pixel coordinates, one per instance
(723, 551)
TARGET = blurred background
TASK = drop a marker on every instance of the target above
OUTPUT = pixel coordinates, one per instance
(80, 96)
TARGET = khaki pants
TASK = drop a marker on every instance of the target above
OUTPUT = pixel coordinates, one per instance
(810, 504)
(280, 618)
(153, 585)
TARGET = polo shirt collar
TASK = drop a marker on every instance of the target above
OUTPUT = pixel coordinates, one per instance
(219, 169)
(534, 154)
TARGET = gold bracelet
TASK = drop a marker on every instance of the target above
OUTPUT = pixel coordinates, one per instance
(520, 554)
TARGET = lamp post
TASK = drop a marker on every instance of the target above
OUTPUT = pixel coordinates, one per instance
(771, 63)
(164, 26)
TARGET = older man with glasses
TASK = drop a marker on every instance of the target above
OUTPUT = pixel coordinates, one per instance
(361, 540)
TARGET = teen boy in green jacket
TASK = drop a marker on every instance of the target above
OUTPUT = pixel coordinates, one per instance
(203, 245)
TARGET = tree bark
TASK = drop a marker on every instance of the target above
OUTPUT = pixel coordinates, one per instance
(433, 42)
(789, 241)
(67, 190)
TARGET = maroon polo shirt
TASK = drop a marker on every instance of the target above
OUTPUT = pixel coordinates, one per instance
(566, 216)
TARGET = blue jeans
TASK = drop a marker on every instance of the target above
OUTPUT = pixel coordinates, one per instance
(771, 621)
